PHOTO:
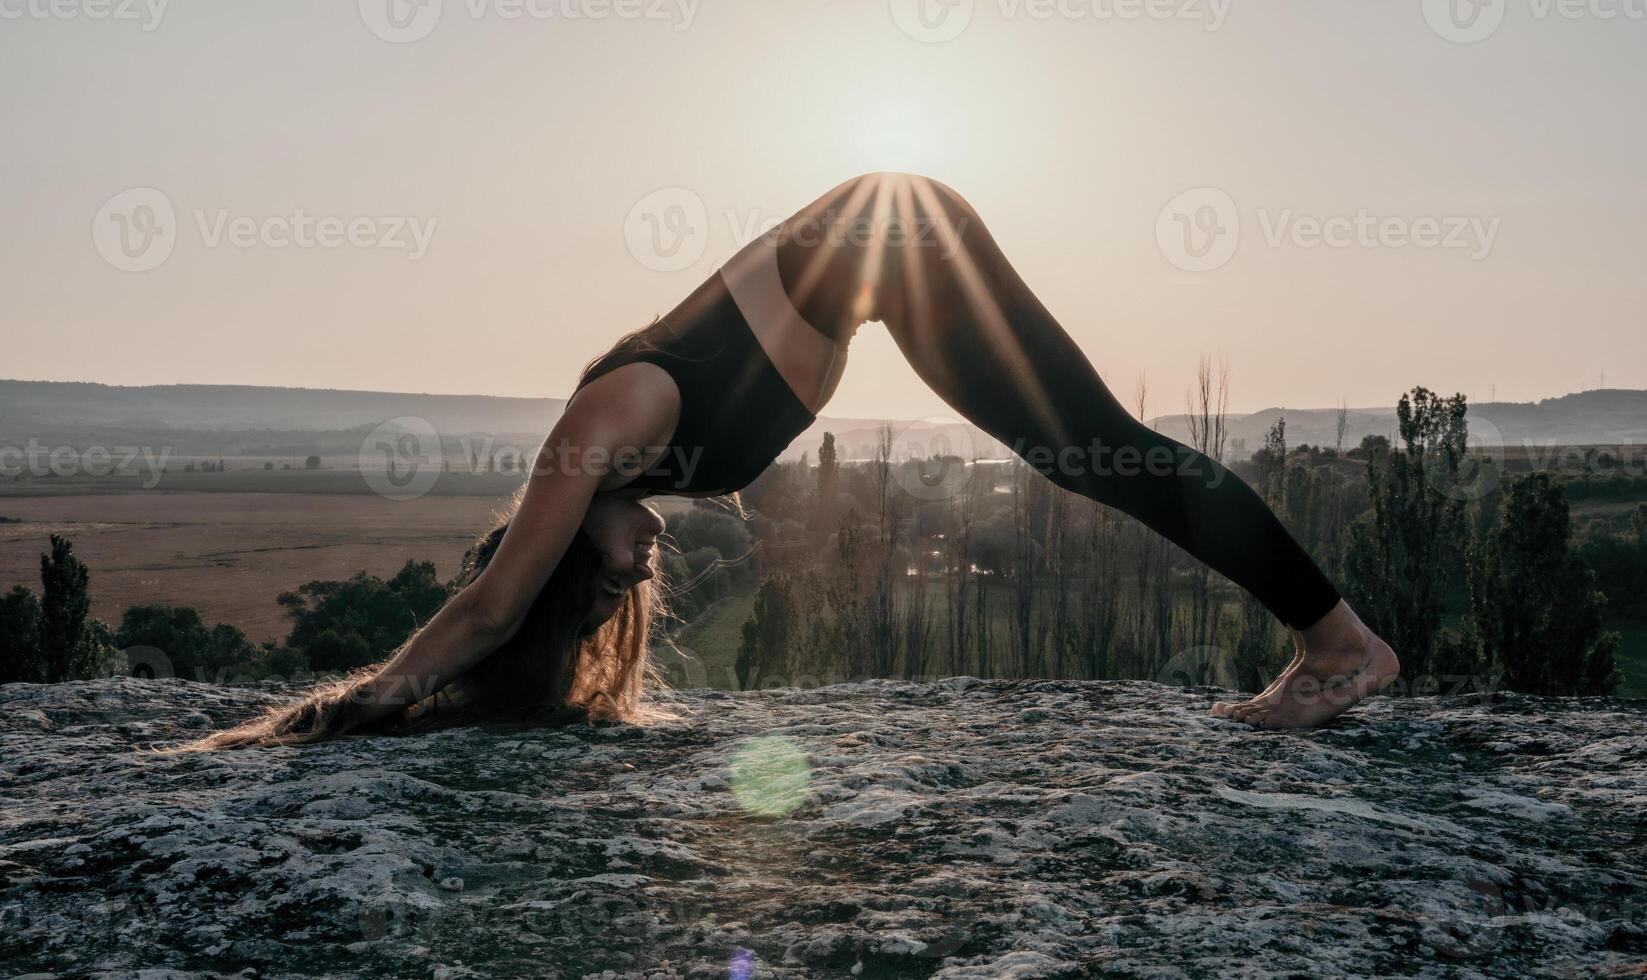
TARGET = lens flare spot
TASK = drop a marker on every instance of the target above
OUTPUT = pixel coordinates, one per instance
(770, 775)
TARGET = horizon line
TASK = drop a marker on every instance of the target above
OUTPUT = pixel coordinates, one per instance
(844, 418)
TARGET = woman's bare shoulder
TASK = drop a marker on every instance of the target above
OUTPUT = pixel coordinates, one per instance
(637, 404)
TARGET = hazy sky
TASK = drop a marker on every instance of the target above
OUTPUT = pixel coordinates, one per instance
(1480, 169)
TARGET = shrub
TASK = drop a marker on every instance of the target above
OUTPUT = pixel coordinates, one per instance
(1535, 602)
(20, 637)
(194, 651)
(340, 625)
(52, 637)
(1405, 555)
(728, 535)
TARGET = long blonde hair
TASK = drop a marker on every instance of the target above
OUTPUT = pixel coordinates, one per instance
(552, 671)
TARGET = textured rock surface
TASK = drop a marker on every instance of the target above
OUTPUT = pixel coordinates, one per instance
(958, 829)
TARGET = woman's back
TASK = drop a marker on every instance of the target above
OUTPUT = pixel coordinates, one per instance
(737, 413)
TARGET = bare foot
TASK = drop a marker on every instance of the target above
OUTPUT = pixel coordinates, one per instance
(1343, 663)
(1222, 709)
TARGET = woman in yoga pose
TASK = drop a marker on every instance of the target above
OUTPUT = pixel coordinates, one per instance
(553, 612)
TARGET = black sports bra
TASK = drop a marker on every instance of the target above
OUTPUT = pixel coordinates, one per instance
(737, 413)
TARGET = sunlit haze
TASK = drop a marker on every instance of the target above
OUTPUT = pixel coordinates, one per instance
(1488, 196)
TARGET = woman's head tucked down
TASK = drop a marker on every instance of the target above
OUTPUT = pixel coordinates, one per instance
(581, 653)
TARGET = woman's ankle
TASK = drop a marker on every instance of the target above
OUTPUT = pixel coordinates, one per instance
(1339, 630)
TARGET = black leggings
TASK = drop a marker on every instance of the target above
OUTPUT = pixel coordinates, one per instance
(911, 253)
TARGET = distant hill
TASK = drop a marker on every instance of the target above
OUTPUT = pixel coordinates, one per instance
(245, 420)
(1604, 415)
(246, 407)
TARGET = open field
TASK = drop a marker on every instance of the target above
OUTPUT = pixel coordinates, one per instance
(229, 554)
(330, 480)
(712, 640)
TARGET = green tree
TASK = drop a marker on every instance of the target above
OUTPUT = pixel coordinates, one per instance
(706, 573)
(763, 653)
(702, 527)
(194, 651)
(846, 596)
(824, 518)
(1620, 563)
(1536, 604)
(1406, 554)
(275, 660)
(72, 646)
(357, 621)
(1369, 447)
(20, 637)
(1271, 461)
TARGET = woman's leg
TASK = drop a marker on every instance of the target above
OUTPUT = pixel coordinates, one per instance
(910, 252)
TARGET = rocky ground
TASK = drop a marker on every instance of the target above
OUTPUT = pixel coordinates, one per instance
(956, 829)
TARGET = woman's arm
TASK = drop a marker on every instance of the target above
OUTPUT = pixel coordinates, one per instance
(627, 409)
